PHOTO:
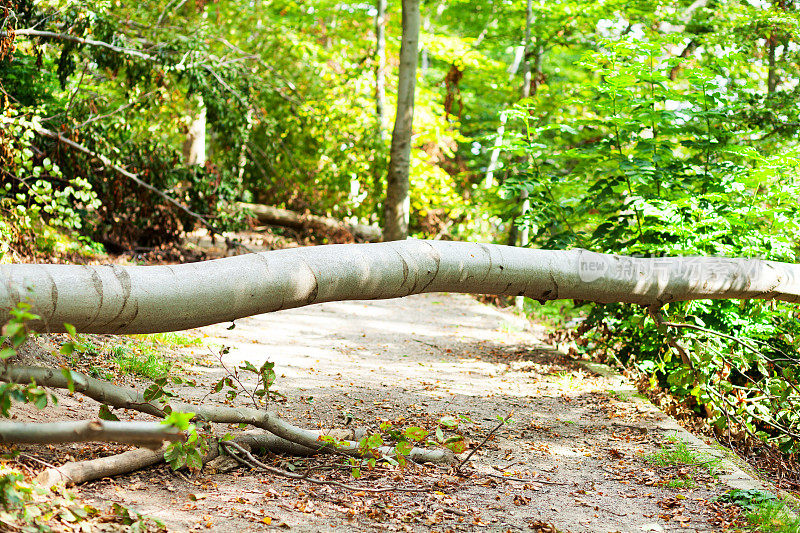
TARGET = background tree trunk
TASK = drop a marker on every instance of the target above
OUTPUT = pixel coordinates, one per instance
(397, 204)
(524, 236)
(194, 147)
(380, 69)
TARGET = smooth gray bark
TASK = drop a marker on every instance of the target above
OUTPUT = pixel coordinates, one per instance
(149, 434)
(147, 299)
(397, 204)
(194, 147)
(75, 472)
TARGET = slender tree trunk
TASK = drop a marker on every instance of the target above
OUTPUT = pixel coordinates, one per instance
(488, 182)
(526, 65)
(423, 60)
(494, 159)
(243, 150)
(526, 92)
(194, 148)
(397, 203)
(380, 69)
(772, 75)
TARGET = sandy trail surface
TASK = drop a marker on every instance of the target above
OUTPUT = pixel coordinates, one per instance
(572, 460)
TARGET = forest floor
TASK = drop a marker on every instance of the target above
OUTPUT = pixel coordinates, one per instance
(578, 455)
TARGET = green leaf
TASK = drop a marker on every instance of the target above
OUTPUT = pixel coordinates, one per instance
(68, 376)
(374, 441)
(404, 447)
(415, 433)
(456, 444)
(41, 401)
(194, 460)
(449, 422)
(106, 414)
(178, 420)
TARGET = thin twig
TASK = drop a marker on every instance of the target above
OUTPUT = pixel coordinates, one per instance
(73, 38)
(131, 176)
(773, 425)
(734, 339)
(476, 448)
(521, 480)
(251, 461)
(45, 463)
(235, 375)
(655, 312)
(120, 108)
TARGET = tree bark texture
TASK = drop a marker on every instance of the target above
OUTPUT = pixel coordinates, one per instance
(76, 472)
(397, 203)
(149, 434)
(147, 299)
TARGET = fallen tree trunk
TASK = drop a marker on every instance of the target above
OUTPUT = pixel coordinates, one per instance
(148, 299)
(275, 216)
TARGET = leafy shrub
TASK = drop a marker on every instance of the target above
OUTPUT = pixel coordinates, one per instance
(664, 166)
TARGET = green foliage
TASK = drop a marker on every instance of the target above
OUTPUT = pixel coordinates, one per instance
(764, 511)
(137, 522)
(170, 338)
(645, 151)
(677, 453)
(146, 362)
(15, 333)
(37, 201)
(26, 507)
(260, 394)
(189, 453)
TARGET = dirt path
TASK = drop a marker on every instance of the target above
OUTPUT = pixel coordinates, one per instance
(576, 444)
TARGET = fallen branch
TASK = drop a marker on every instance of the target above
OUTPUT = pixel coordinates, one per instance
(247, 459)
(80, 40)
(276, 216)
(503, 422)
(130, 175)
(76, 472)
(114, 465)
(125, 398)
(148, 434)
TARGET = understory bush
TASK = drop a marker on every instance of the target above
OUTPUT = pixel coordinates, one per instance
(659, 165)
